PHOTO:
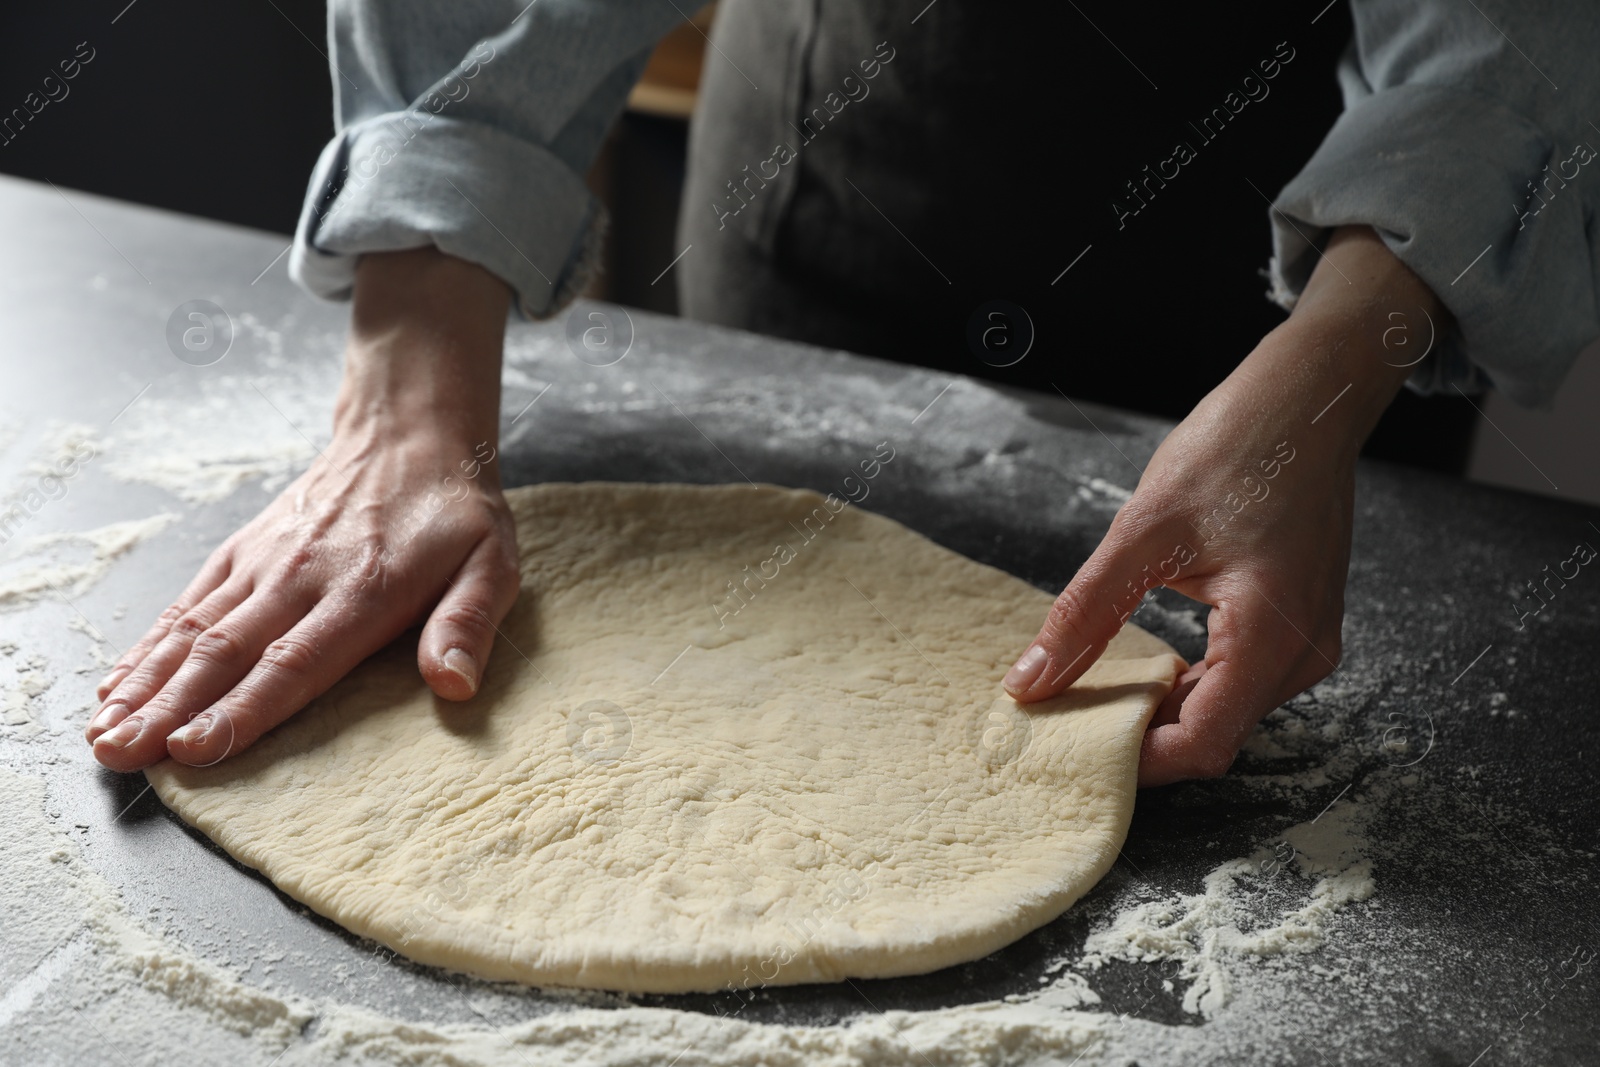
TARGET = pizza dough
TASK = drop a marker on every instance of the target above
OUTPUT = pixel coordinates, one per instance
(730, 736)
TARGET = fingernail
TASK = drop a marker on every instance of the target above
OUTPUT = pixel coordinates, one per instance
(194, 733)
(123, 735)
(458, 662)
(108, 717)
(1021, 677)
(109, 682)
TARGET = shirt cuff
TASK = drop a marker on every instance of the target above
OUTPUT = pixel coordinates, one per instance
(1443, 175)
(413, 179)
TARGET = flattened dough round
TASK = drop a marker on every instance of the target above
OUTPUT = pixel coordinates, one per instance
(682, 774)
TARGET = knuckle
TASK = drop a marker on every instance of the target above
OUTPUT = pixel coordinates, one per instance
(478, 522)
(1067, 617)
(139, 685)
(1151, 513)
(221, 644)
(468, 619)
(292, 655)
(224, 552)
(296, 563)
(1136, 518)
(190, 626)
(366, 591)
(375, 557)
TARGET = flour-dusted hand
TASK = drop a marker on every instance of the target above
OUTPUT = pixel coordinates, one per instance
(1247, 506)
(400, 514)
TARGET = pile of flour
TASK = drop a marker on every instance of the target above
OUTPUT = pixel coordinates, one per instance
(1245, 911)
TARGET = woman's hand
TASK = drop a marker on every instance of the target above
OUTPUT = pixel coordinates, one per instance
(401, 513)
(1247, 506)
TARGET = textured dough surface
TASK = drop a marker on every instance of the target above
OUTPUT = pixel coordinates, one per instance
(665, 786)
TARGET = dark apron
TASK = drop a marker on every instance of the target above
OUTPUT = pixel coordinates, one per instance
(885, 185)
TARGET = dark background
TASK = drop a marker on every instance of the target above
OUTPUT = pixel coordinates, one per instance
(220, 111)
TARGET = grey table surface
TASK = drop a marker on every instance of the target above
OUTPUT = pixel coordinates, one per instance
(1470, 740)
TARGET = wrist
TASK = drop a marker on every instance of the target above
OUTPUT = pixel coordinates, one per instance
(1346, 350)
(426, 335)
(1341, 382)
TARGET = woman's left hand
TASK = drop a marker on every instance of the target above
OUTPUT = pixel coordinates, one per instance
(1247, 506)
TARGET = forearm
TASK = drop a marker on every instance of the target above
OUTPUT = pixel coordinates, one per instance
(426, 335)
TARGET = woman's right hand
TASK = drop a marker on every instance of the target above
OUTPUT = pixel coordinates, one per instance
(401, 515)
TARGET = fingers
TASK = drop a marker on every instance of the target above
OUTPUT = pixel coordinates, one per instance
(165, 654)
(1168, 710)
(215, 571)
(1089, 612)
(455, 644)
(1254, 663)
(216, 660)
(1224, 706)
(293, 670)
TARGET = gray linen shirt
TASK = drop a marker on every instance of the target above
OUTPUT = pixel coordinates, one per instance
(1466, 141)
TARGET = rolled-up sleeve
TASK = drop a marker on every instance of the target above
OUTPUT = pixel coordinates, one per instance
(1466, 142)
(468, 126)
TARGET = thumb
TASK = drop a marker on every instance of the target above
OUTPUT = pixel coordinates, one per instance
(454, 647)
(1089, 612)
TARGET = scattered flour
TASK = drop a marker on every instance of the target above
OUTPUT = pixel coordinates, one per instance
(238, 429)
(62, 444)
(1241, 912)
(73, 956)
(201, 449)
(1100, 489)
(70, 954)
(29, 677)
(100, 648)
(70, 563)
(514, 377)
(75, 964)
(206, 477)
(56, 462)
(1176, 619)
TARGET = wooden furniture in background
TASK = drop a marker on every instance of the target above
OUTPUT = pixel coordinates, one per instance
(671, 79)
(639, 173)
